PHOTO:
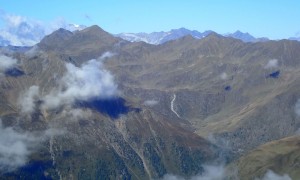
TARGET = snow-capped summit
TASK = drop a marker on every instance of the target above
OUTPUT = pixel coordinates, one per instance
(74, 27)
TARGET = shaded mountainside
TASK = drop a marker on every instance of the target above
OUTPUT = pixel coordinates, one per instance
(169, 97)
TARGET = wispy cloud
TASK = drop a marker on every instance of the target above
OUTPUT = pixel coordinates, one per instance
(219, 173)
(76, 114)
(270, 175)
(224, 76)
(6, 63)
(27, 100)
(151, 102)
(16, 146)
(24, 31)
(210, 173)
(272, 63)
(297, 107)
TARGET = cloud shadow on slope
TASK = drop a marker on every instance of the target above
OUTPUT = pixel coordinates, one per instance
(113, 107)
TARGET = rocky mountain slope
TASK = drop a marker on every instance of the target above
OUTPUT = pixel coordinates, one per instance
(63, 100)
(281, 156)
(106, 107)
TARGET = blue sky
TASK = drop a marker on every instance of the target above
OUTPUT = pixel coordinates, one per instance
(274, 19)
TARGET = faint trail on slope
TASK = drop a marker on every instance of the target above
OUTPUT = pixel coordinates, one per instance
(172, 106)
(53, 156)
(120, 127)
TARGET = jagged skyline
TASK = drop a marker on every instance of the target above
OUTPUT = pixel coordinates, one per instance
(259, 18)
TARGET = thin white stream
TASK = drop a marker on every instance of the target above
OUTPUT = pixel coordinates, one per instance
(172, 106)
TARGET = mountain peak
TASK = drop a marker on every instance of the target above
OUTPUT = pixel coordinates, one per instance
(213, 34)
(55, 38)
(246, 37)
(93, 28)
(97, 33)
(93, 37)
(61, 32)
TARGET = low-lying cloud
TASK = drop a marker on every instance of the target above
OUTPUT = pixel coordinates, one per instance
(151, 102)
(16, 146)
(107, 54)
(210, 173)
(76, 114)
(224, 76)
(272, 63)
(270, 175)
(27, 100)
(83, 83)
(6, 63)
(297, 107)
(219, 173)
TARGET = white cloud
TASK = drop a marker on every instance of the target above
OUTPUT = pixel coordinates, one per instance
(76, 114)
(150, 102)
(210, 173)
(23, 31)
(224, 76)
(219, 173)
(15, 147)
(6, 63)
(297, 107)
(272, 63)
(27, 100)
(172, 177)
(89, 81)
(270, 175)
(34, 50)
(106, 55)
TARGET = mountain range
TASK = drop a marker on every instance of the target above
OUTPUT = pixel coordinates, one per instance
(89, 105)
(162, 37)
(28, 34)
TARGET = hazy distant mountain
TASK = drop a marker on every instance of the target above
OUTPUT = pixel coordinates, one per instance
(295, 38)
(246, 37)
(162, 37)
